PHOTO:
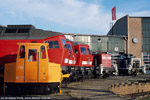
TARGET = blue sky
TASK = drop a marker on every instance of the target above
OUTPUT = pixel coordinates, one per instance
(70, 16)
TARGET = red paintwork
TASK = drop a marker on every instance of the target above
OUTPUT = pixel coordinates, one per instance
(58, 55)
(83, 59)
(105, 59)
(9, 49)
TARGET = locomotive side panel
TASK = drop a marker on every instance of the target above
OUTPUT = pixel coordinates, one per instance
(105, 59)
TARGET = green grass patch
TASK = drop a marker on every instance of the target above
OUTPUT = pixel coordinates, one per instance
(145, 98)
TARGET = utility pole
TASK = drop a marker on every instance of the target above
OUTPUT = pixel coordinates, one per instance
(111, 27)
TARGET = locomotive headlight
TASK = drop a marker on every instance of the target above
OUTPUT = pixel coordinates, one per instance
(90, 63)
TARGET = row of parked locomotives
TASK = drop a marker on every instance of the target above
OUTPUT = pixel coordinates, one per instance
(74, 58)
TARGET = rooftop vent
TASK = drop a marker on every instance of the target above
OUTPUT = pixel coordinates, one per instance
(18, 28)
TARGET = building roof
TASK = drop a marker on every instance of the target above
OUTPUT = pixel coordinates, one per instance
(139, 16)
(25, 32)
(74, 34)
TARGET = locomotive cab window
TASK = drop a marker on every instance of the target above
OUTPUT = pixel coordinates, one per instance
(64, 43)
(76, 51)
(69, 47)
(50, 44)
(83, 50)
(53, 44)
(88, 50)
(43, 52)
(56, 44)
(32, 55)
(22, 52)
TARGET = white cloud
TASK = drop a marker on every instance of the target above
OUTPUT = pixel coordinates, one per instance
(141, 13)
(72, 13)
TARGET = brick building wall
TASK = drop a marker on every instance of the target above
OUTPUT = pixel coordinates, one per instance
(135, 31)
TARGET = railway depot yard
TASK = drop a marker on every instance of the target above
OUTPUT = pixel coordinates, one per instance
(91, 89)
(96, 89)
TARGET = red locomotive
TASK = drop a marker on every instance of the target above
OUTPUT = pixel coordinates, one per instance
(80, 61)
(103, 64)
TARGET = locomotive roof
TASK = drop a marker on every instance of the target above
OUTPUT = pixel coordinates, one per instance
(24, 32)
(78, 43)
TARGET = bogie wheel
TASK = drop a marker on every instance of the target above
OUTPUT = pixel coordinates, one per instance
(1, 86)
(46, 90)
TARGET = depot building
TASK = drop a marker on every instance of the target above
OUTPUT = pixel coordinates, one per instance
(137, 30)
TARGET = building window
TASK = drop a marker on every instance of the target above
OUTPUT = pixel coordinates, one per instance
(146, 34)
(146, 41)
(146, 59)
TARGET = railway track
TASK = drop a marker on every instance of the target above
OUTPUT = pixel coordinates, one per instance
(132, 88)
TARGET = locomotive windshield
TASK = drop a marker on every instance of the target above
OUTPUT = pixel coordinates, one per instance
(83, 50)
